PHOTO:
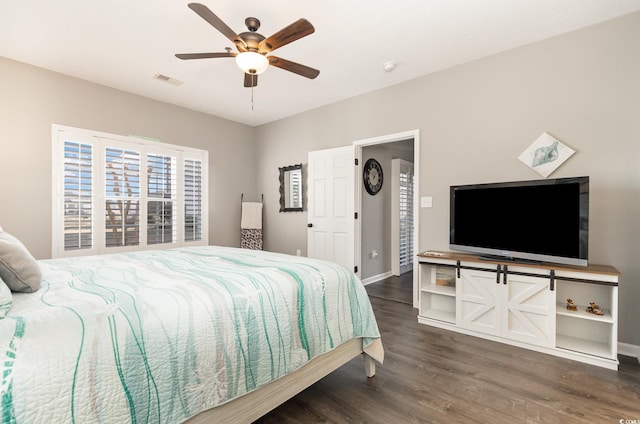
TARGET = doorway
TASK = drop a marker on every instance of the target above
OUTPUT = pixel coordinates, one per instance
(373, 254)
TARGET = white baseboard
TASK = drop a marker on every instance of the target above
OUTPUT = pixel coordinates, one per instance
(377, 278)
(627, 349)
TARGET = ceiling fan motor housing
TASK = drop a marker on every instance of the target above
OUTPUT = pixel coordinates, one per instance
(252, 40)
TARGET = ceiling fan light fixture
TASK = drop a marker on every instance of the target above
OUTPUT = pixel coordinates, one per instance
(252, 62)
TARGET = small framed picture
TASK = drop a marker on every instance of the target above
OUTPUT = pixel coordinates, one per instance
(545, 155)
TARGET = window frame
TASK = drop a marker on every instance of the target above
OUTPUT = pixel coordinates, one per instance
(99, 142)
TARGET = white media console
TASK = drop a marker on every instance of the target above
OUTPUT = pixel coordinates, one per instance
(523, 304)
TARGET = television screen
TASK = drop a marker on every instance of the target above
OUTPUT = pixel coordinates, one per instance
(539, 220)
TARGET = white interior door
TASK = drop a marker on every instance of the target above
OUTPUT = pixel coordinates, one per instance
(330, 210)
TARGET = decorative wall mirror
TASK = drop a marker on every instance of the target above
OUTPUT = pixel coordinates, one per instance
(291, 188)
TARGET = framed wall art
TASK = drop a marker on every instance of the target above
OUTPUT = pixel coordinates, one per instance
(545, 155)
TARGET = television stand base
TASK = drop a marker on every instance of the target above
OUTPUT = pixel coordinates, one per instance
(454, 290)
(498, 258)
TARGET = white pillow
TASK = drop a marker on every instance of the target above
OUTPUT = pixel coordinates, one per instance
(5, 299)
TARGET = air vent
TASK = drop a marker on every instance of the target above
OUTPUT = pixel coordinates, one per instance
(167, 79)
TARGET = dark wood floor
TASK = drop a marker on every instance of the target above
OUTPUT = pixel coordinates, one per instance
(398, 289)
(438, 376)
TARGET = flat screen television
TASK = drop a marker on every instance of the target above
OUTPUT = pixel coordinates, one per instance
(539, 220)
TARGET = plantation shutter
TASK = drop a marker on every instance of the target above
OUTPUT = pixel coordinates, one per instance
(295, 188)
(161, 199)
(122, 197)
(78, 195)
(192, 200)
(406, 217)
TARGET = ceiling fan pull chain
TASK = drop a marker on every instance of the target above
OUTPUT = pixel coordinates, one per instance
(252, 97)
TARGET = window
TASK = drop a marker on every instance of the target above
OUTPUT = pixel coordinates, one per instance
(114, 193)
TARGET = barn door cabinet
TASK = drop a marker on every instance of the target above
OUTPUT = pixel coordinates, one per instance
(523, 304)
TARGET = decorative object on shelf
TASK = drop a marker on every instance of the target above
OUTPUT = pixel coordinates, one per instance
(545, 154)
(571, 306)
(593, 308)
(372, 176)
(446, 277)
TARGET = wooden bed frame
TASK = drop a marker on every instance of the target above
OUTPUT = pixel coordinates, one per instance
(255, 404)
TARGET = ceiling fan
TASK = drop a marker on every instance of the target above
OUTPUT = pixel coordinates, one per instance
(253, 47)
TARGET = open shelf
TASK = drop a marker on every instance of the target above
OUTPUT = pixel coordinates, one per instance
(438, 306)
(437, 293)
(589, 347)
(438, 289)
(439, 314)
(586, 333)
(582, 313)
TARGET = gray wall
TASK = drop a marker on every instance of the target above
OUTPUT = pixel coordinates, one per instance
(375, 216)
(32, 98)
(474, 120)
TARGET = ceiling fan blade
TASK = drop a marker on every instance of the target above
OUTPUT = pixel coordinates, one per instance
(296, 68)
(250, 80)
(298, 29)
(187, 56)
(206, 14)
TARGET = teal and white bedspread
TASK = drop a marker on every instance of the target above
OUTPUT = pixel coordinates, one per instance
(159, 336)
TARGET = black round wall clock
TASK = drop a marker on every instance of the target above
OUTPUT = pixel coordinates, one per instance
(372, 176)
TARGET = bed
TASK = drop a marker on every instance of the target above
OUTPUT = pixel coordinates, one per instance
(196, 334)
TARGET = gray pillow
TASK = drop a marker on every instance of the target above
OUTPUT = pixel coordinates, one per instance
(19, 270)
(5, 299)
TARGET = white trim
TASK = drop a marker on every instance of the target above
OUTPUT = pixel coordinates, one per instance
(359, 144)
(376, 278)
(627, 349)
(144, 141)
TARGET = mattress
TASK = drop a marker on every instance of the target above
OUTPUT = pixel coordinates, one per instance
(159, 336)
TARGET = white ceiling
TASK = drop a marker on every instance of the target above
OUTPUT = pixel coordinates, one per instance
(124, 43)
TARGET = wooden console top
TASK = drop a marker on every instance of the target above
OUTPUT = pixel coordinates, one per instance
(459, 256)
